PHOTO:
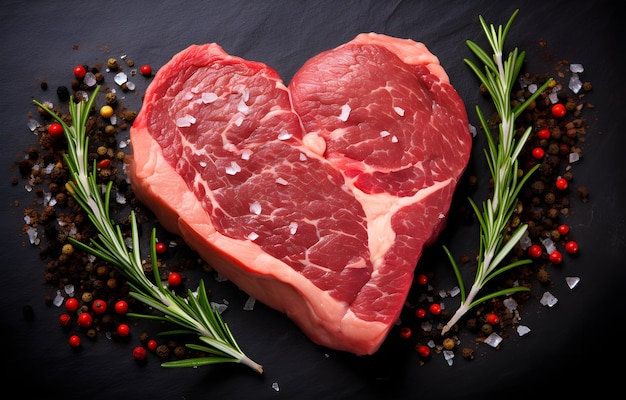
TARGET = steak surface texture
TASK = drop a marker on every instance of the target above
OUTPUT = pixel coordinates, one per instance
(317, 198)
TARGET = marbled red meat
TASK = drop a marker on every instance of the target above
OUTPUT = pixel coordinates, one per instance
(317, 199)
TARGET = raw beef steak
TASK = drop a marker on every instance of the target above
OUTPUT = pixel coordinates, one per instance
(317, 199)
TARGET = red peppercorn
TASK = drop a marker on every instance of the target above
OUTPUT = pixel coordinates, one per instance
(535, 251)
(556, 257)
(65, 319)
(74, 341)
(85, 320)
(493, 319)
(435, 309)
(145, 70)
(561, 183)
(99, 306)
(423, 351)
(121, 307)
(79, 72)
(405, 332)
(571, 247)
(563, 229)
(160, 248)
(152, 345)
(104, 163)
(123, 330)
(72, 304)
(422, 279)
(538, 153)
(420, 313)
(55, 130)
(544, 134)
(139, 353)
(174, 279)
(559, 110)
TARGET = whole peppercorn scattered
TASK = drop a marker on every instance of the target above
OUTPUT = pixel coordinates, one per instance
(448, 344)
(99, 306)
(160, 248)
(559, 110)
(493, 319)
(422, 279)
(79, 72)
(423, 351)
(538, 153)
(535, 251)
(72, 304)
(152, 344)
(420, 313)
(65, 319)
(571, 247)
(106, 111)
(139, 353)
(561, 183)
(112, 63)
(104, 163)
(145, 70)
(55, 130)
(123, 330)
(74, 341)
(544, 134)
(85, 320)
(174, 279)
(556, 257)
(405, 332)
(435, 309)
(563, 229)
(121, 307)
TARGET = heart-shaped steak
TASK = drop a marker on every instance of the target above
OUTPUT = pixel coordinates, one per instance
(317, 199)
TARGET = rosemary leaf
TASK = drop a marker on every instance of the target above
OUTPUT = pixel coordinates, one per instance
(498, 76)
(194, 314)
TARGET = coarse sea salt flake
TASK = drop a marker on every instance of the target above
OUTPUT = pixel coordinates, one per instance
(245, 155)
(203, 164)
(572, 281)
(208, 98)
(275, 386)
(345, 112)
(249, 304)
(33, 124)
(284, 135)
(384, 133)
(493, 340)
(455, 291)
(281, 181)
(399, 111)
(394, 139)
(522, 330)
(548, 299)
(293, 228)
(255, 208)
(302, 157)
(573, 157)
(575, 84)
(120, 78)
(233, 168)
(253, 236)
(58, 299)
(576, 68)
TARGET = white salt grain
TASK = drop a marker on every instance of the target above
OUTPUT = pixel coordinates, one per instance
(394, 139)
(120, 78)
(219, 307)
(384, 133)
(572, 281)
(399, 111)
(233, 168)
(253, 236)
(548, 299)
(32, 235)
(293, 228)
(281, 181)
(510, 304)
(275, 386)
(576, 68)
(249, 304)
(32, 124)
(493, 340)
(455, 291)
(522, 330)
(89, 79)
(255, 208)
(58, 299)
(284, 135)
(345, 112)
(575, 84)
(573, 157)
(245, 155)
(69, 289)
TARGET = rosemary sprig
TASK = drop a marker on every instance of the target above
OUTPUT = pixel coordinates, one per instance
(499, 77)
(193, 314)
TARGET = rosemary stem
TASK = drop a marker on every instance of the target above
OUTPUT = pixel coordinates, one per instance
(463, 308)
